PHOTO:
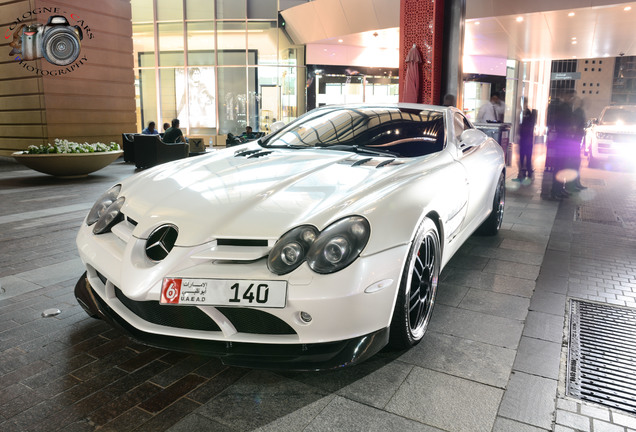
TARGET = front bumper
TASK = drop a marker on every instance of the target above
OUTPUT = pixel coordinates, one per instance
(313, 356)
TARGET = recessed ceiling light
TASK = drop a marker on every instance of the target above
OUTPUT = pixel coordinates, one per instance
(519, 19)
(340, 41)
(627, 8)
(573, 37)
(571, 14)
(477, 23)
(574, 42)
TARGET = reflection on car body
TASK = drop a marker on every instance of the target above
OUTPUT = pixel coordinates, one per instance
(310, 248)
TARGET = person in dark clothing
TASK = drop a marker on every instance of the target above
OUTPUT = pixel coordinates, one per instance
(174, 134)
(574, 153)
(559, 122)
(526, 141)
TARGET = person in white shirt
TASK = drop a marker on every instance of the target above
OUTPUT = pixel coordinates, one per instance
(489, 112)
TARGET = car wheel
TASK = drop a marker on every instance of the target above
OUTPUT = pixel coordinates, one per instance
(492, 225)
(416, 296)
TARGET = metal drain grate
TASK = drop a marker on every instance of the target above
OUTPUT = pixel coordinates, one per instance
(601, 215)
(602, 355)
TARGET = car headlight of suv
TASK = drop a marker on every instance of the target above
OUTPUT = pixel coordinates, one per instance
(327, 252)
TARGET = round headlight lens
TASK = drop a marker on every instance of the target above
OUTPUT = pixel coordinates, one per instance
(102, 204)
(110, 217)
(291, 253)
(339, 245)
(290, 250)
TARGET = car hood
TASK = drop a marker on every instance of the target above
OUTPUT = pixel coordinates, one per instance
(249, 192)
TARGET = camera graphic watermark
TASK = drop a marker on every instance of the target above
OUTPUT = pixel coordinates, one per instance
(58, 41)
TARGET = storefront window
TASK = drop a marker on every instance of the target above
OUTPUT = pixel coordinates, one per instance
(144, 45)
(148, 96)
(230, 9)
(142, 11)
(200, 43)
(171, 44)
(199, 9)
(231, 42)
(169, 10)
(232, 100)
(262, 9)
(262, 36)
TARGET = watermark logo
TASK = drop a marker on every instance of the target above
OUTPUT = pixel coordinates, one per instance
(58, 41)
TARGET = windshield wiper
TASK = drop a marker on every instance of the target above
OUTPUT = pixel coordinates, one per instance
(360, 149)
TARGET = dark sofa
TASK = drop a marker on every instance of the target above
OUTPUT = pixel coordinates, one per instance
(150, 150)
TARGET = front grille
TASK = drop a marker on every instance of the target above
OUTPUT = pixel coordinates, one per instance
(185, 317)
(241, 242)
(255, 321)
(602, 354)
(191, 317)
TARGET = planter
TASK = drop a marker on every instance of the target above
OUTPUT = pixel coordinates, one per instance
(67, 165)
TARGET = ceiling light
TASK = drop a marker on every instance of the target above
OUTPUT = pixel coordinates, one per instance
(627, 8)
(519, 19)
(477, 23)
(571, 14)
(574, 42)
(340, 41)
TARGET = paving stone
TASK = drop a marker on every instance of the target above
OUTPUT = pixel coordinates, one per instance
(450, 295)
(490, 282)
(507, 425)
(548, 303)
(601, 426)
(498, 304)
(538, 357)
(575, 421)
(195, 422)
(464, 358)
(377, 388)
(529, 399)
(503, 332)
(540, 325)
(623, 419)
(597, 412)
(446, 402)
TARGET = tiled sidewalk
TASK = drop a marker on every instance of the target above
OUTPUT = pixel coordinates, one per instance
(492, 359)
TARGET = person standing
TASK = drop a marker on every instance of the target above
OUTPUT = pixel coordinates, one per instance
(526, 141)
(559, 122)
(488, 111)
(578, 132)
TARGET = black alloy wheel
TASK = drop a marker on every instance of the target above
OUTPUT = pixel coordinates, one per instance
(416, 296)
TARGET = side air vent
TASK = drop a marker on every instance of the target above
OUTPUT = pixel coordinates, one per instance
(241, 242)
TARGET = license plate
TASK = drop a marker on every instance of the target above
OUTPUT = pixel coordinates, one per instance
(219, 292)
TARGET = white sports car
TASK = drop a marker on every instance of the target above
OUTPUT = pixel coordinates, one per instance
(311, 248)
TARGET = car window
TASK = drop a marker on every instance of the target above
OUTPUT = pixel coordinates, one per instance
(619, 116)
(404, 132)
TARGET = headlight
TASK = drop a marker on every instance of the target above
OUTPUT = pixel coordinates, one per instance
(291, 249)
(339, 245)
(110, 217)
(104, 201)
(603, 135)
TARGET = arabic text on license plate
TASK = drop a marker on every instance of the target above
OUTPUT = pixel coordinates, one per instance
(218, 292)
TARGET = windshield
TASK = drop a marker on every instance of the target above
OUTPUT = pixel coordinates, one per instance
(619, 116)
(398, 132)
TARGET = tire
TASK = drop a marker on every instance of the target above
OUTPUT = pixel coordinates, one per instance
(418, 286)
(492, 224)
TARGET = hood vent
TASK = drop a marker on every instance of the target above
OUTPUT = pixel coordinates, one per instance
(374, 162)
(252, 153)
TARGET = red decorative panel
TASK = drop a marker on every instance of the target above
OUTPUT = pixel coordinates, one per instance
(422, 24)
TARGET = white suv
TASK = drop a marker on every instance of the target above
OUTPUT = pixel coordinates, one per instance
(612, 138)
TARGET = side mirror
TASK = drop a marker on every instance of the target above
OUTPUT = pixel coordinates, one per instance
(471, 138)
(276, 126)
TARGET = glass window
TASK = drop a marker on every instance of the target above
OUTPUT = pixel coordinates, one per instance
(200, 43)
(262, 9)
(268, 97)
(230, 9)
(148, 96)
(263, 37)
(231, 43)
(142, 11)
(171, 44)
(195, 107)
(199, 9)
(172, 85)
(232, 100)
(144, 45)
(169, 10)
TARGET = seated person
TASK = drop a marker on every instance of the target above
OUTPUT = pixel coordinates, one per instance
(166, 126)
(150, 130)
(173, 134)
(248, 134)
